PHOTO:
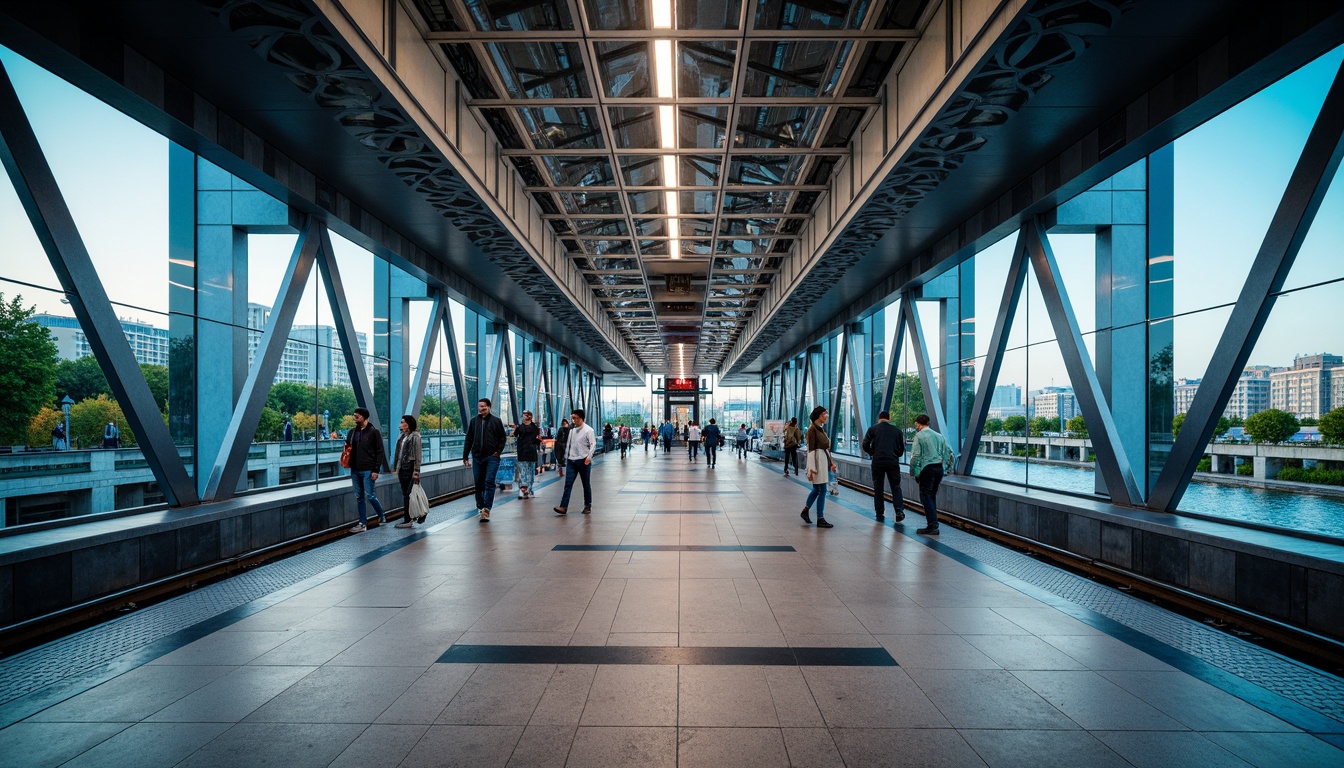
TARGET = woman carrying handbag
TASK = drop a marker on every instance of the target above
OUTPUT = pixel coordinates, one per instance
(406, 463)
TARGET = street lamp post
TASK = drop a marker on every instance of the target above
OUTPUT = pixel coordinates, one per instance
(326, 423)
(66, 402)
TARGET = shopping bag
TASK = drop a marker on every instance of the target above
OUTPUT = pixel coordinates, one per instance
(419, 505)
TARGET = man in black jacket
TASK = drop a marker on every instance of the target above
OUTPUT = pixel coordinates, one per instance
(484, 442)
(712, 438)
(368, 455)
(885, 443)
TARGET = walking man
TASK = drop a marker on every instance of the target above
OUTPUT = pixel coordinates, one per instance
(666, 431)
(743, 438)
(793, 437)
(368, 456)
(693, 439)
(579, 460)
(930, 459)
(885, 444)
(484, 442)
(713, 439)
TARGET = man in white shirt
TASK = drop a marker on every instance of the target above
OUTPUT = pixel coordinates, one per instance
(579, 460)
(693, 439)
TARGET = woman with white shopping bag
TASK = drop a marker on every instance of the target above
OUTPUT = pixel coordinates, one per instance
(406, 464)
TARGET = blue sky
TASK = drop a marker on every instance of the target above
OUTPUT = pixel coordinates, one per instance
(1230, 174)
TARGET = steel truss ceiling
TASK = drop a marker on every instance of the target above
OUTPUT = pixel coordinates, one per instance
(675, 138)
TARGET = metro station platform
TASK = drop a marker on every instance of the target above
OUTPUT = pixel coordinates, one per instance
(691, 619)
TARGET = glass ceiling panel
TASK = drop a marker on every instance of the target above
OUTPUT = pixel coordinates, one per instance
(579, 171)
(702, 127)
(541, 15)
(616, 14)
(697, 227)
(605, 227)
(562, 127)
(624, 67)
(773, 127)
(739, 262)
(698, 202)
(646, 202)
(810, 14)
(614, 264)
(541, 70)
(699, 171)
(642, 170)
(706, 69)
(634, 127)
(789, 69)
(709, 14)
(743, 246)
(756, 202)
(591, 202)
(610, 247)
(651, 227)
(749, 227)
(765, 169)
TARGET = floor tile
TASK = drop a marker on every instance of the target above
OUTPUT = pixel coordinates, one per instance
(811, 748)
(744, 747)
(917, 748)
(607, 747)
(428, 696)
(988, 698)
(1041, 749)
(285, 745)
(632, 696)
(381, 746)
(725, 697)
(338, 695)
(464, 746)
(132, 697)
(1165, 749)
(29, 744)
(1195, 703)
(149, 745)
(936, 652)
(1279, 750)
(498, 694)
(1095, 703)
(542, 745)
(871, 698)
(233, 696)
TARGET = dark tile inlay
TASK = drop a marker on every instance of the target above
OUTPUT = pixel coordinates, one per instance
(672, 548)
(678, 512)
(667, 655)
(678, 490)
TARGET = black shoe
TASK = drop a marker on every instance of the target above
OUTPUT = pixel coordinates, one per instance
(881, 518)
(560, 510)
(806, 517)
(928, 531)
(821, 523)
(587, 510)
(900, 517)
(420, 519)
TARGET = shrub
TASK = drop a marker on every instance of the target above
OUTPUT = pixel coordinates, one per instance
(1205, 465)
(1316, 475)
(1245, 470)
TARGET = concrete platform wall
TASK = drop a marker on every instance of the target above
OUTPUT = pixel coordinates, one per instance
(47, 571)
(1300, 583)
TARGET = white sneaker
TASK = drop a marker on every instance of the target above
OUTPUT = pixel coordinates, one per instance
(485, 515)
(359, 528)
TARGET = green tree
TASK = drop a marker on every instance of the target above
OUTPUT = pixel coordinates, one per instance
(1272, 426)
(88, 419)
(81, 379)
(1041, 424)
(1332, 426)
(290, 397)
(39, 429)
(156, 376)
(27, 369)
(993, 426)
(1176, 425)
(1077, 426)
(1015, 424)
(907, 400)
(1308, 421)
(632, 420)
(1223, 425)
(340, 401)
(271, 426)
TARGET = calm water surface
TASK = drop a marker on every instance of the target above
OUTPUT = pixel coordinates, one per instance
(1299, 511)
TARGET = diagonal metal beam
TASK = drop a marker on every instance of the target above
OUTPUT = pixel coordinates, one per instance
(998, 342)
(345, 326)
(926, 374)
(1111, 459)
(856, 386)
(232, 457)
(427, 348)
(894, 359)
(55, 228)
(1307, 187)
(455, 363)
(840, 381)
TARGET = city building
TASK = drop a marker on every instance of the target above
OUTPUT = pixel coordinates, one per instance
(1183, 394)
(1304, 390)
(1251, 394)
(1054, 403)
(148, 343)
(1336, 388)
(312, 355)
(1005, 396)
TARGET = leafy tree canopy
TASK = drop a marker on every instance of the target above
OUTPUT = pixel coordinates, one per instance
(27, 369)
(1332, 426)
(1176, 425)
(1042, 424)
(1272, 426)
(1015, 424)
(81, 379)
(993, 426)
(1077, 426)
(89, 417)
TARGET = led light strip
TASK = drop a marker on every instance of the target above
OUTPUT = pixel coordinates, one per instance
(665, 79)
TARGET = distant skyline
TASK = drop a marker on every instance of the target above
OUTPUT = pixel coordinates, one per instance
(1230, 174)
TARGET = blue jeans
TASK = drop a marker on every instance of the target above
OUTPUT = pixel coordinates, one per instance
(527, 472)
(363, 482)
(711, 454)
(818, 497)
(483, 470)
(585, 473)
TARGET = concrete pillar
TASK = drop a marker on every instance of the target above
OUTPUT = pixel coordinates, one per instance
(1267, 468)
(272, 465)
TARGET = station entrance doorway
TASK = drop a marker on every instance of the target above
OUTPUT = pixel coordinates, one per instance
(681, 401)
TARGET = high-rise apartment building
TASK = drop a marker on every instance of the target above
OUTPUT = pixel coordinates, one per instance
(1183, 394)
(312, 355)
(1054, 403)
(1251, 394)
(148, 343)
(1305, 389)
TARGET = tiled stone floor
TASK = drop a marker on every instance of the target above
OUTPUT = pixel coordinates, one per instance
(345, 672)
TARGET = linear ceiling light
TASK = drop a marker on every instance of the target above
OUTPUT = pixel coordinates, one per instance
(665, 80)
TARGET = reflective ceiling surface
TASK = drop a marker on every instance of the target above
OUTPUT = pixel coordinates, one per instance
(676, 146)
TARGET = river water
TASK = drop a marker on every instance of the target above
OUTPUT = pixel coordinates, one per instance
(1281, 509)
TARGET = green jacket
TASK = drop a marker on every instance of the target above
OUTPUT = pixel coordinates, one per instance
(929, 448)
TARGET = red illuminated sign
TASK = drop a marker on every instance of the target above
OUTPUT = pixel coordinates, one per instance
(683, 385)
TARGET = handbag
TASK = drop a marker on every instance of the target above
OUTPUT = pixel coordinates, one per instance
(345, 455)
(419, 503)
